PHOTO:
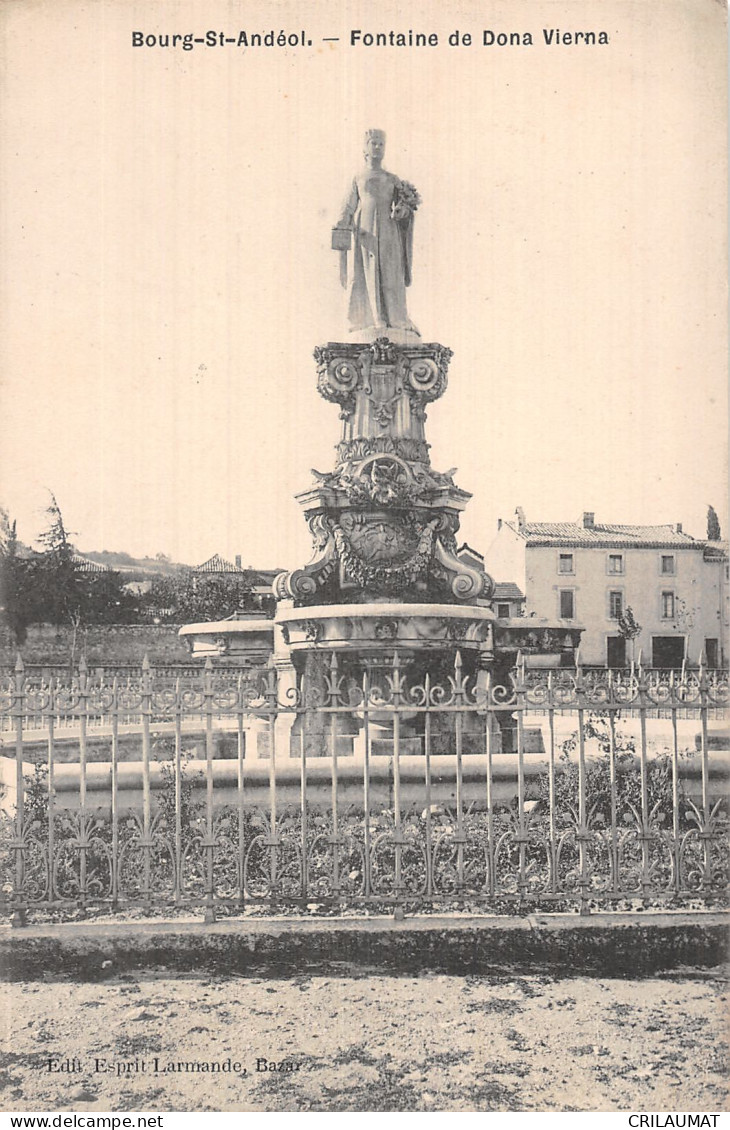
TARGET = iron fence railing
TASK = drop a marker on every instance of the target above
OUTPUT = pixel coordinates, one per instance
(219, 790)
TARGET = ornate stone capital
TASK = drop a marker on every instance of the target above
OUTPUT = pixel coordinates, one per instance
(425, 373)
(345, 368)
(338, 376)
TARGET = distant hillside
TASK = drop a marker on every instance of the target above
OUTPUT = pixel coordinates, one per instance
(138, 566)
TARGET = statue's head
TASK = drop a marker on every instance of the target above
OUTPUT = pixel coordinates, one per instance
(374, 144)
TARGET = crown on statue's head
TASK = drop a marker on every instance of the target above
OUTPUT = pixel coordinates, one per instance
(370, 133)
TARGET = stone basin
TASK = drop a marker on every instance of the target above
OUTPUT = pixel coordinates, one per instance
(373, 629)
(249, 639)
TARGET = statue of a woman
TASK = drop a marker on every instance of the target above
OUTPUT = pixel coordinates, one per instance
(379, 215)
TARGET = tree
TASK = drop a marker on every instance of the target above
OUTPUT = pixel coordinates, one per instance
(105, 599)
(188, 596)
(713, 525)
(63, 594)
(50, 587)
(19, 581)
(629, 627)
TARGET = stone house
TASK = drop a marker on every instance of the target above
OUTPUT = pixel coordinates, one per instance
(589, 573)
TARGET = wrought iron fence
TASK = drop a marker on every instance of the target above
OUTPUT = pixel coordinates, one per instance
(373, 791)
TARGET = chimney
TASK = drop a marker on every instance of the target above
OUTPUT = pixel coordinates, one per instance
(499, 523)
(520, 518)
(679, 527)
(237, 559)
(588, 519)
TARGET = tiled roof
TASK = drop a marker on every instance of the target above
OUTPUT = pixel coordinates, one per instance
(507, 590)
(716, 549)
(468, 549)
(84, 565)
(217, 564)
(262, 576)
(623, 537)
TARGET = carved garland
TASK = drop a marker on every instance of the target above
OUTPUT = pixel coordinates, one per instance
(412, 450)
(410, 571)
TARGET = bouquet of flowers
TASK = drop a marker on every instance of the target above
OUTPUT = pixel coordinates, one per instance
(405, 200)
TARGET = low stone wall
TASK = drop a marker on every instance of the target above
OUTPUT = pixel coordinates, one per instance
(101, 644)
(600, 945)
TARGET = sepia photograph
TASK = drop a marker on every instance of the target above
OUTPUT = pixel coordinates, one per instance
(364, 577)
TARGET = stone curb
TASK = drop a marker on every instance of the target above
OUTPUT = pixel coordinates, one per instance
(638, 944)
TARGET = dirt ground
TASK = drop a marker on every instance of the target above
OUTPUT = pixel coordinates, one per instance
(356, 1041)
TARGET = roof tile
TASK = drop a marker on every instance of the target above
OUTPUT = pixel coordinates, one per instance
(574, 533)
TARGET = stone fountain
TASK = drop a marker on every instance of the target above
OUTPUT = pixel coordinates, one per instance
(384, 580)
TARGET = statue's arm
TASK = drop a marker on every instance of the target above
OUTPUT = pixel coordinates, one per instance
(342, 231)
(349, 208)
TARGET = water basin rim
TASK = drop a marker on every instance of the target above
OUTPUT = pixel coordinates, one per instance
(220, 627)
(383, 611)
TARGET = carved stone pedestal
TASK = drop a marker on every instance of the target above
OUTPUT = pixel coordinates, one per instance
(383, 522)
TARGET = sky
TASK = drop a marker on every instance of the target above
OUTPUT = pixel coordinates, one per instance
(166, 269)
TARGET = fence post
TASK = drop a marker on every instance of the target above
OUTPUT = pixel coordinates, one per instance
(301, 708)
(521, 838)
(366, 780)
(396, 684)
(706, 834)
(83, 829)
(240, 754)
(115, 794)
(613, 784)
(273, 841)
(51, 788)
(488, 737)
(146, 840)
(208, 842)
(20, 914)
(676, 845)
(427, 783)
(177, 891)
(460, 837)
(333, 700)
(551, 789)
(583, 835)
(645, 836)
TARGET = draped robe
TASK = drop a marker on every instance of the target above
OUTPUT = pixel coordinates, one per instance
(379, 269)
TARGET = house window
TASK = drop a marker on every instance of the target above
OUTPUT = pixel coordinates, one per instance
(565, 563)
(668, 564)
(567, 604)
(667, 606)
(503, 611)
(616, 563)
(615, 605)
